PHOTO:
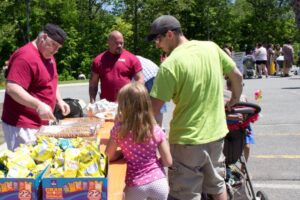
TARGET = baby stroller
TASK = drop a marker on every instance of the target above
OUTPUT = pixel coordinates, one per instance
(234, 142)
(237, 172)
(249, 66)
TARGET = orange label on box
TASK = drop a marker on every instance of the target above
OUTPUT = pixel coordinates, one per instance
(54, 193)
(76, 186)
(23, 185)
(6, 187)
(95, 185)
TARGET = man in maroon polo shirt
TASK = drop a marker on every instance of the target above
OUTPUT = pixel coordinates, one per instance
(31, 91)
(114, 68)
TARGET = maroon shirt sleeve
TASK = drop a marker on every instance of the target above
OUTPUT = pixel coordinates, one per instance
(95, 65)
(20, 73)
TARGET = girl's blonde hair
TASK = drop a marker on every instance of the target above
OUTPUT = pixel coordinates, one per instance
(135, 112)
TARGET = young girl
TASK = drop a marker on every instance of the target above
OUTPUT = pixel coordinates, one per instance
(138, 136)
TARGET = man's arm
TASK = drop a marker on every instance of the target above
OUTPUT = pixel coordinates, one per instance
(20, 95)
(236, 80)
(93, 86)
(139, 77)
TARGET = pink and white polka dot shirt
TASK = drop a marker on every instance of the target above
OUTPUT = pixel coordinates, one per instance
(143, 167)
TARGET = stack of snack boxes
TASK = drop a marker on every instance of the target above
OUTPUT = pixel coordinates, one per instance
(20, 175)
(78, 172)
(54, 169)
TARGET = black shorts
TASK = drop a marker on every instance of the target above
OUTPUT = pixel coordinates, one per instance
(259, 62)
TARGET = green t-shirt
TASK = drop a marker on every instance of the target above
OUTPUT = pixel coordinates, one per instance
(192, 76)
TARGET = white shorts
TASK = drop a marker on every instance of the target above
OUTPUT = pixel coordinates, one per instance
(14, 136)
(156, 190)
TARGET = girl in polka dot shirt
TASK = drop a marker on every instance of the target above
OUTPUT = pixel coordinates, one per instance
(139, 138)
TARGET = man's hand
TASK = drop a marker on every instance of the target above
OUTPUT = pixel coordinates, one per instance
(45, 112)
(231, 103)
(64, 107)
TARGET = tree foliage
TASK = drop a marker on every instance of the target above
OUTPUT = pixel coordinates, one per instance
(241, 23)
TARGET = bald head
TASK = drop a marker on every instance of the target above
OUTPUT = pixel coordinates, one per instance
(115, 42)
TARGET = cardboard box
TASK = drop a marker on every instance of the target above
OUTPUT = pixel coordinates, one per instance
(90, 188)
(21, 188)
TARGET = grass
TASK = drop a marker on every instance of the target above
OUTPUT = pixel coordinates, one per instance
(73, 81)
(2, 85)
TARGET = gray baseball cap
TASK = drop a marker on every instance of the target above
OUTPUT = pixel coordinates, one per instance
(161, 25)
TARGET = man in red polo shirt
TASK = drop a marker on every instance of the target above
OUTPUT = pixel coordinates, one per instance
(114, 68)
(31, 91)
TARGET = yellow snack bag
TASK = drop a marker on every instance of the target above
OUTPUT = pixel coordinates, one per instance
(21, 159)
(16, 171)
(2, 174)
(71, 164)
(23, 149)
(56, 172)
(77, 142)
(44, 151)
(59, 159)
(88, 152)
(91, 169)
(45, 139)
(4, 155)
(40, 167)
(71, 167)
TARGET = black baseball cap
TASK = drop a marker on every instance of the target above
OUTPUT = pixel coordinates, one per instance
(55, 33)
(161, 25)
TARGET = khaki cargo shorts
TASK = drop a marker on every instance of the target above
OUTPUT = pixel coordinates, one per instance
(196, 169)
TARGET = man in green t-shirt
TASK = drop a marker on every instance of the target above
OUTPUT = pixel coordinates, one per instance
(192, 76)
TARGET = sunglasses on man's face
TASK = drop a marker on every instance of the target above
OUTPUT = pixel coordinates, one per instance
(159, 37)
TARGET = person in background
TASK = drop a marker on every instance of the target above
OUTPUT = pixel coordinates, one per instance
(288, 54)
(139, 138)
(31, 91)
(298, 59)
(277, 53)
(261, 60)
(249, 65)
(280, 63)
(81, 76)
(192, 76)
(114, 68)
(271, 58)
(150, 70)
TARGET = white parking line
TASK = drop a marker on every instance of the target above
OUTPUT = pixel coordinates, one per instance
(288, 156)
(277, 186)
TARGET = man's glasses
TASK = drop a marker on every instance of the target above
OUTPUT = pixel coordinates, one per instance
(53, 44)
(159, 37)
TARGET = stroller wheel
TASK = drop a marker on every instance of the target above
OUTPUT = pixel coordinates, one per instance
(230, 192)
(260, 195)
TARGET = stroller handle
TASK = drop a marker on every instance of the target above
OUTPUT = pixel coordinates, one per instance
(250, 112)
(244, 108)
